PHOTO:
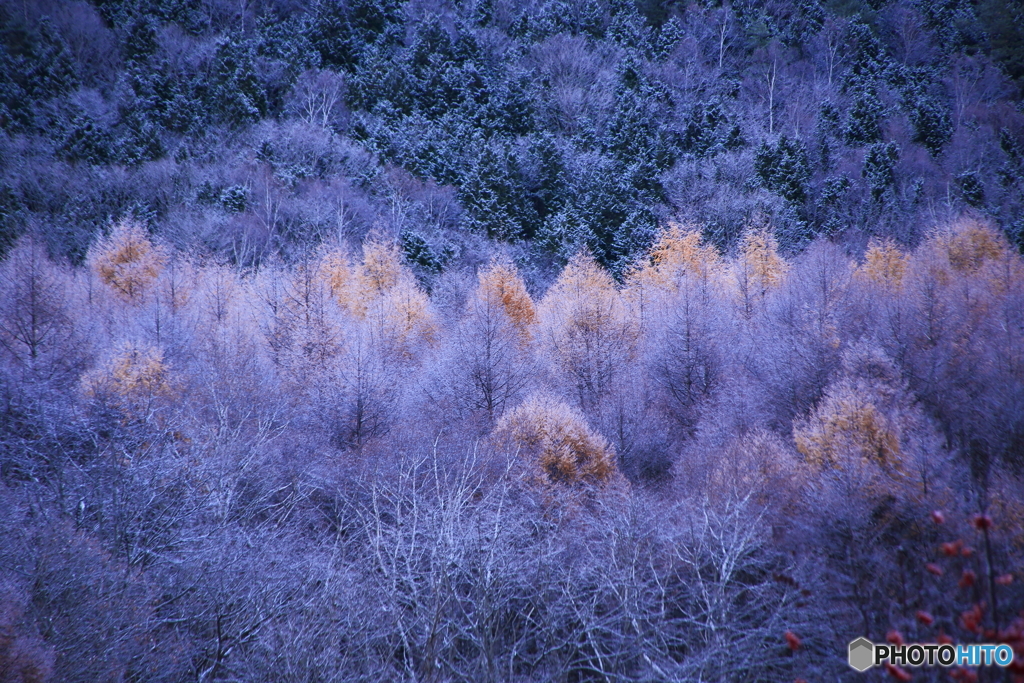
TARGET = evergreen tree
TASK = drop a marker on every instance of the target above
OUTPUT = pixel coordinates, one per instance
(863, 124)
(879, 167)
(36, 66)
(235, 94)
(784, 168)
(495, 195)
(932, 126)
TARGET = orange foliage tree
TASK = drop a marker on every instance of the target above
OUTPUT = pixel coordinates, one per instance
(382, 293)
(127, 261)
(884, 265)
(588, 330)
(489, 358)
(679, 262)
(557, 444)
(136, 379)
(759, 268)
(867, 422)
(679, 251)
(501, 285)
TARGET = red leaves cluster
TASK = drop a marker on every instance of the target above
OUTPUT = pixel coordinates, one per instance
(1013, 636)
(954, 548)
(971, 620)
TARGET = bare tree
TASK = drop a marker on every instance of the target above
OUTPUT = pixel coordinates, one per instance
(34, 321)
(317, 97)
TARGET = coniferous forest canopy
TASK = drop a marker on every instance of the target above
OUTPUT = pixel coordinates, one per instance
(455, 340)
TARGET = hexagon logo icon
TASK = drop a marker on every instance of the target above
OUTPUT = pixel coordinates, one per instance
(862, 654)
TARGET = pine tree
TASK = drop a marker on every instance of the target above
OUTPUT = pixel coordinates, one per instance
(863, 125)
(784, 168)
(236, 95)
(880, 168)
(932, 125)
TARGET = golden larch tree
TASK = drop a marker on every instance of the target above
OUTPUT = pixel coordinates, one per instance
(398, 310)
(127, 261)
(970, 243)
(589, 332)
(556, 443)
(679, 251)
(500, 285)
(759, 268)
(135, 379)
(343, 281)
(846, 424)
(884, 265)
(679, 259)
(487, 360)
(867, 422)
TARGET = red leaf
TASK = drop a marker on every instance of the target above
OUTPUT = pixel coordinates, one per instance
(951, 549)
(971, 619)
(968, 578)
(1004, 580)
(938, 517)
(925, 618)
(898, 673)
(894, 637)
(962, 674)
(981, 522)
(934, 569)
(793, 641)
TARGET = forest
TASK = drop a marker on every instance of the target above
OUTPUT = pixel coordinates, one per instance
(479, 340)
